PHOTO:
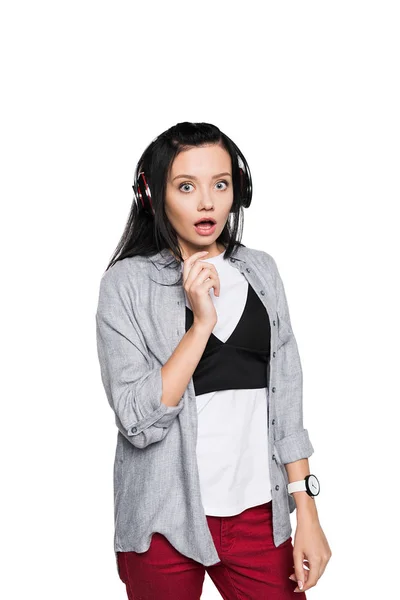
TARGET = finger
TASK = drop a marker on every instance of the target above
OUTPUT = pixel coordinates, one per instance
(214, 276)
(209, 283)
(306, 564)
(192, 271)
(298, 569)
(197, 255)
(217, 283)
(293, 578)
(306, 568)
(313, 575)
(191, 260)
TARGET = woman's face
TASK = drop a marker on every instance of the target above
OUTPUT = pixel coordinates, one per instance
(199, 186)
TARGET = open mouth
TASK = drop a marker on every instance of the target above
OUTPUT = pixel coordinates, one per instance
(208, 222)
(205, 226)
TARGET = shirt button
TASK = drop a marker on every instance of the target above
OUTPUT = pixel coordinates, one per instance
(248, 270)
(277, 487)
(178, 302)
(262, 292)
(273, 354)
(273, 389)
(274, 322)
(273, 421)
(273, 457)
(134, 429)
(233, 259)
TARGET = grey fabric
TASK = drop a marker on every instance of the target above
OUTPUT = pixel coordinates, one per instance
(140, 320)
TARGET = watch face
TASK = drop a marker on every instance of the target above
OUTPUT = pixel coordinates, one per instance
(313, 485)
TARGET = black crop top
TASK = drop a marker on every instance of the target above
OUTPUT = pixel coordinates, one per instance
(242, 361)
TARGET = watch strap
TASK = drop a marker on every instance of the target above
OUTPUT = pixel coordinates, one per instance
(297, 486)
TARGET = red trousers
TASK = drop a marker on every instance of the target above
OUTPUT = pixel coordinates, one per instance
(251, 567)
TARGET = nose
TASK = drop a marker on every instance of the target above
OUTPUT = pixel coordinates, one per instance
(206, 201)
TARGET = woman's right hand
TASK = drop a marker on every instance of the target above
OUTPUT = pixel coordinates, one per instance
(198, 278)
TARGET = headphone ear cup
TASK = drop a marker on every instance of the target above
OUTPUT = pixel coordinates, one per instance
(144, 194)
(245, 188)
(139, 194)
(242, 185)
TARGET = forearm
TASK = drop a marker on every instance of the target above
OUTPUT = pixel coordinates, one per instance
(178, 370)
(297, 471)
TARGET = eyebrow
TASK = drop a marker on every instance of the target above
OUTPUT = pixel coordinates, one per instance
(193, 177)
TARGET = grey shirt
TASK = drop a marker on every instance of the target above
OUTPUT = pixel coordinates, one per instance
(140, 320)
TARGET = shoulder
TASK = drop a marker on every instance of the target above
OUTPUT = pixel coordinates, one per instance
(260, 257)
(123, 270)
(124, 278)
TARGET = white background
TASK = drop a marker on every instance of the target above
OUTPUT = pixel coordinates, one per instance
(310, 93)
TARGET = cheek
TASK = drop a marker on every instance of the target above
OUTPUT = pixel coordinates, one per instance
(173, 208)
(182, 210)
(225, 214)
(179, 217)
(227, 205)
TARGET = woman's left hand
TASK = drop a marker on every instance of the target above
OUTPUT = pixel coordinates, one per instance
(311, 546)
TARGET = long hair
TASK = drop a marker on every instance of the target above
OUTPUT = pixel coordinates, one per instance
(147, 234)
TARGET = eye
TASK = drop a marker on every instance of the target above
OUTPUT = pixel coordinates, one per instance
(223, 181)
(184, 184)
(189, 184)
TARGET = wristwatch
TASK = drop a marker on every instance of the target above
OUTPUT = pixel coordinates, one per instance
(309, 484)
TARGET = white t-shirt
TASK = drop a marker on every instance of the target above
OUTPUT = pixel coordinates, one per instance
(232, 442)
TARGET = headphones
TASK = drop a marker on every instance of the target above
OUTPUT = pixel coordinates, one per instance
(142, 190)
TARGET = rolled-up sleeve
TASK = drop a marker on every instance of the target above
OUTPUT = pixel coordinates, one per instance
(292, 441)
(133, 388)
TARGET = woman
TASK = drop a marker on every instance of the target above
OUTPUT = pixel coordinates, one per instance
(201, 368)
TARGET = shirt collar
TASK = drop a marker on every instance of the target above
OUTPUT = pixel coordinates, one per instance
(164, 258)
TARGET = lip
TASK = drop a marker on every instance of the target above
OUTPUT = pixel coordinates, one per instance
(205, 231)
(205, 219)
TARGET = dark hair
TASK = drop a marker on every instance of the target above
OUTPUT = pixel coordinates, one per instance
(146, 234)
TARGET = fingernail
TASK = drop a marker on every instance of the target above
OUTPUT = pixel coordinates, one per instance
(300, 584)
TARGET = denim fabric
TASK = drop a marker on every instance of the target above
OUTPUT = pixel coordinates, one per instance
(140, 320)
